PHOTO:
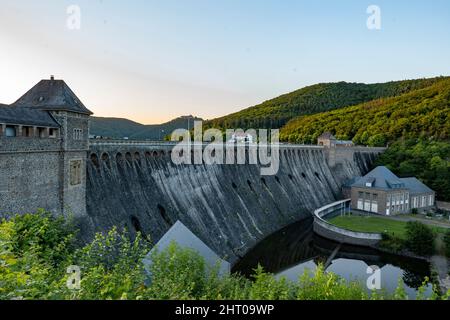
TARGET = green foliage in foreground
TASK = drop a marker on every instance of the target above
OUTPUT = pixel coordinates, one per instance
(35, 251)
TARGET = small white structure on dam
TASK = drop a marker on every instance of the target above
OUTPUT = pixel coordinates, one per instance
(185, 238)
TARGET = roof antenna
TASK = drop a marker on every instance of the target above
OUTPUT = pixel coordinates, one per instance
(52, 77)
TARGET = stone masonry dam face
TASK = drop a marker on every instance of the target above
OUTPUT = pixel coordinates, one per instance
(230, 207)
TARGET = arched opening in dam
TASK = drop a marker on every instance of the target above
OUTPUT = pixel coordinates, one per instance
(163, 213)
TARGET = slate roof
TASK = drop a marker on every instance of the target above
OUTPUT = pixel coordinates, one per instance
(415, 186)
(383, 178)
(26, 116)
(52, 95)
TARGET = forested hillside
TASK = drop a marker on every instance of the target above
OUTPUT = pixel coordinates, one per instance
(313, 99)
(421, 113)
(416, 126)
(427, 160)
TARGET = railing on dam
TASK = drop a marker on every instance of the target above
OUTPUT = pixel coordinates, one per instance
(330, 231)
(108, 142)
(123, 142)
(151, 143)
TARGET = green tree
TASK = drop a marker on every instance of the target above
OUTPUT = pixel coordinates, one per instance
(419, 238)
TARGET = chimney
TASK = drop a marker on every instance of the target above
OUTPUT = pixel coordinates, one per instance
(52, 77)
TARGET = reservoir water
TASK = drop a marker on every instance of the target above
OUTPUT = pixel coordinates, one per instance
(295, 248)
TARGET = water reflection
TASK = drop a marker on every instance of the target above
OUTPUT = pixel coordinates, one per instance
(296, 248)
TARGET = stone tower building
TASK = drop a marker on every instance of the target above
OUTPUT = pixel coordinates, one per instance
(44, 141)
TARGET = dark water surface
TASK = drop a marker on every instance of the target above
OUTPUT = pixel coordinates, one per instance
(296, 247)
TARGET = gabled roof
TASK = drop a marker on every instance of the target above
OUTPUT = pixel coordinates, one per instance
(415, 186)
(326, 135)
(380, 178)
(26, 116)
(52, 95)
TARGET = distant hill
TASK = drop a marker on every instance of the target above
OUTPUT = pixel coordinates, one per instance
(277, 112)
(118, 128)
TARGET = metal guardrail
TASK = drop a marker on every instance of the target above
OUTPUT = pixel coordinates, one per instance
(111, 142)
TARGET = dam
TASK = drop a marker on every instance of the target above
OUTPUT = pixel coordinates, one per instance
(48, 161)
(230, 207)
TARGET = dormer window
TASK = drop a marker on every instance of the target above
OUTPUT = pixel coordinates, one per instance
(370, 182)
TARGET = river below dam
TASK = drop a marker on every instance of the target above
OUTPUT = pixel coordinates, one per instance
(295, 248)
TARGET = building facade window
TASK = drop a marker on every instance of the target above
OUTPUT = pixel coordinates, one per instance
(367, 202)
(374, 207)
(75, 172)
(430, 200)
(27, 131)
(53, 133)
(10, 131)
(360, 205)
(77, 134)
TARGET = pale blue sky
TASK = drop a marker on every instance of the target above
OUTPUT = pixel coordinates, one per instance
(151, 61)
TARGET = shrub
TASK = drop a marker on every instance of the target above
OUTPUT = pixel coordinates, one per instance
(33, 247)
(391, 242)
(447, 243)
(111, 267)
(33, 266)
(419, 238)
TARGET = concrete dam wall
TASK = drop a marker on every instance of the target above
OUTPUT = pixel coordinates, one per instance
(230, 207)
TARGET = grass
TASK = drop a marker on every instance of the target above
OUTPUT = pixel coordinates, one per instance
(376, 224)
(371, 224)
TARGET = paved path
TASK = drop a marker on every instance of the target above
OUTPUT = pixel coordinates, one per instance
(424, 221)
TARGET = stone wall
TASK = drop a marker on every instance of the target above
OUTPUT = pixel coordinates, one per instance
(29, 181)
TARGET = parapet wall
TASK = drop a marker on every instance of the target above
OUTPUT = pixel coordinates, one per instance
(332, 232)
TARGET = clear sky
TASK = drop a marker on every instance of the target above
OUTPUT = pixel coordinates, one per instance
(151, 61)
